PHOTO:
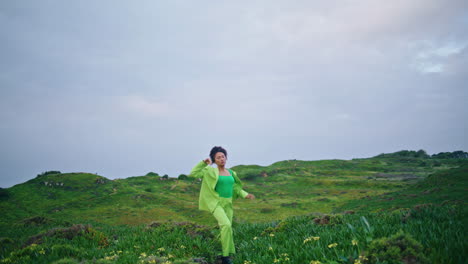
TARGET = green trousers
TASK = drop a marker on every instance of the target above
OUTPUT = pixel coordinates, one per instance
(223, 214)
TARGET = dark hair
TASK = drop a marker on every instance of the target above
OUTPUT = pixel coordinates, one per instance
(215, 150)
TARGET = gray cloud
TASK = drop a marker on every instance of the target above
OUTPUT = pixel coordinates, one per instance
(124, 88)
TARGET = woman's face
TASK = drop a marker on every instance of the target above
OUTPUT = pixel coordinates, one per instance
(220, 159)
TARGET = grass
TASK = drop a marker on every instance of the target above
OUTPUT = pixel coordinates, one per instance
(437, 228)
(423, 197)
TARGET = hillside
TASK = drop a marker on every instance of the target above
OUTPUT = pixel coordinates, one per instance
(283, 189)
(86, 218)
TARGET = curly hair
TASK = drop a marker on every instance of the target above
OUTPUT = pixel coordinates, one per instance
(215, 150)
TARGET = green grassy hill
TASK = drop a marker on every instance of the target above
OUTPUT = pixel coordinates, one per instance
(283, 189)
(295, 200)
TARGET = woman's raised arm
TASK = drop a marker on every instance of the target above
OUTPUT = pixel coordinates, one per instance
(200, 169)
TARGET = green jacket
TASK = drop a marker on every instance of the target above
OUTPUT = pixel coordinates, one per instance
(209, 198)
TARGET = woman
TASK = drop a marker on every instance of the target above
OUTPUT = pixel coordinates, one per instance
(219, 187)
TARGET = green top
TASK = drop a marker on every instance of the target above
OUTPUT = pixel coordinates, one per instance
(209, 198)
(225, 185)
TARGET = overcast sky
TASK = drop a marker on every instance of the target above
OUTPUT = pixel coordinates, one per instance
(122, 88)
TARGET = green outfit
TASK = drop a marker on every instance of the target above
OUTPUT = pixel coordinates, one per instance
(221, 207)
(224, 186)
(223, 214)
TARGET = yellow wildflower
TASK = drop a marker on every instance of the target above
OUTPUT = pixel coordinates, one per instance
(42, 251)
(333, 245)
(161, 249)
(272, 235)
(315, 262)
(357, 261)
(255, 238)
(110, 257)
(276, 260)
(143, 255)
(310, 239)
(182, 246)
(354, 242)
(270, 248)
(247, 262)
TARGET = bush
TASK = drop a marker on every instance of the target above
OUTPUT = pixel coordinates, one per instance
(335, 219)
(183, 177)
(66, 261)
(5, 241)
(267, 210)
(250, 174)
(4, 193)
(399, 248)
(48, 173)
(405, 154)
(451, 155)
(192, 229)
(152, 174)
(70, 233)
(66, 250)
(36, 221)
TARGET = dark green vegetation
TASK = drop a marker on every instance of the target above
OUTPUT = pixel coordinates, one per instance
(413, 202)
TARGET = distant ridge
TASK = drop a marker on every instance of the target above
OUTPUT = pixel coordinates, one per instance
(284, 188)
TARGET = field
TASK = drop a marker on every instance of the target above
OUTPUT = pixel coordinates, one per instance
(387, 209)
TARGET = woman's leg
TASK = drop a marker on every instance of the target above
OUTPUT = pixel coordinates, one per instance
(224, 218)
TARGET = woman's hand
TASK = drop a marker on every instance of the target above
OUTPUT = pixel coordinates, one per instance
(207, 161)
(250, 196)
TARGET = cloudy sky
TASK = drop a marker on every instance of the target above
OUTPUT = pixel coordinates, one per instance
(122, 88)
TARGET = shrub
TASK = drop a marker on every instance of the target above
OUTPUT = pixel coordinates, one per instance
(66, 261)
(329, 220)
(250, 174)
(36, 221)
(183, 177)
(192, 229)
(152, 174)
(292, 205)
(267, 210)
(6, 242)
(4, 193)
(69, 233)
(96, 236)
(66, 250)
(24, 255)
(48, 173)
(399, 248)
(451, 155)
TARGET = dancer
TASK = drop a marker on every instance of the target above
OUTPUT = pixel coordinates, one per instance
(220, 186)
